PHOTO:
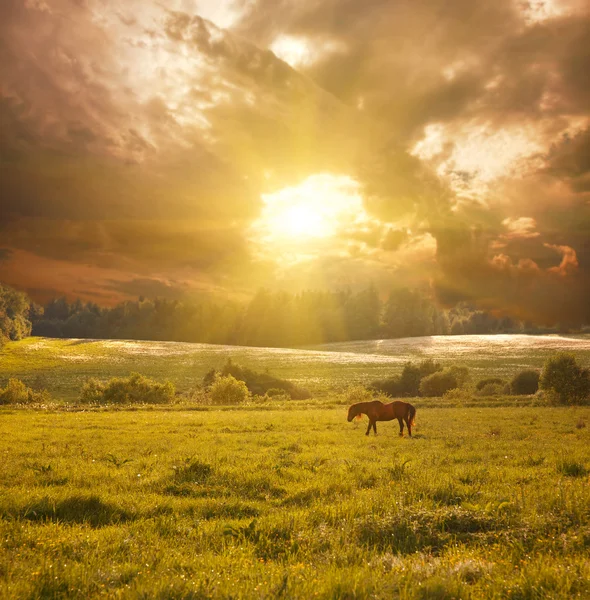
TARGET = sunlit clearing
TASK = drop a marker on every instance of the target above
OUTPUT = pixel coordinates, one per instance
(314, 211)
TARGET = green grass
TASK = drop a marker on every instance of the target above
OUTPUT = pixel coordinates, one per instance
(63, 365)
(163, 502)
(481, 503)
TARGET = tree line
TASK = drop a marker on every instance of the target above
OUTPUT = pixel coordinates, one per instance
(277, 319)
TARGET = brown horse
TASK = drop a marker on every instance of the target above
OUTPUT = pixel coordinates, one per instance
(377, 411)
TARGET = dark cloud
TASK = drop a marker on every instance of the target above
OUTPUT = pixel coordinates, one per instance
(570, 160)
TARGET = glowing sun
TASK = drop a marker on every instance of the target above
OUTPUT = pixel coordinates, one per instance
(316, 209)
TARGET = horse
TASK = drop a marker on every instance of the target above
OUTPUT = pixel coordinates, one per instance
(377, 411)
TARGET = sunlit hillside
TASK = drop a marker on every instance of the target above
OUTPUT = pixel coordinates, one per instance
(62, 366)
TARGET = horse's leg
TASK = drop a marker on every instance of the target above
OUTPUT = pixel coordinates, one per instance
(375, 427)
(401, 427)
(409, 424)
(369, 427)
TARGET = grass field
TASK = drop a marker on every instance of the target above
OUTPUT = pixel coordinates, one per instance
(481, 503)
(154, 502)
(62, 366)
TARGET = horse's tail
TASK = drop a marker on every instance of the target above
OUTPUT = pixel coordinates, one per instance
(412, 416)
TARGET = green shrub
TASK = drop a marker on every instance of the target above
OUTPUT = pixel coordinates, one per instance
(458, 395)
(390, 387)
(226, 389)
(567, 381)
(358, 393)
(408, 383)
(92, 392)
(438, 383)
(525, 383)
(487, 381)
(257, 383)
(16, 392)
(493, 389)
(135, 389)
(460, 373)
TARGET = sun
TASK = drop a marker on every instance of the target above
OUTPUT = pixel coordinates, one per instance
(300, 218)
(301, 221)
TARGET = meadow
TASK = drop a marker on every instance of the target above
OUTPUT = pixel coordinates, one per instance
(62, 366)
(480, 503)
(487, 500)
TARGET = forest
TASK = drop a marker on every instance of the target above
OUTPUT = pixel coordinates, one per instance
(277, 319)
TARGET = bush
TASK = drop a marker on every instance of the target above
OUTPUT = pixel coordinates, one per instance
(358, 393)
(525, 383)
(226, 389)
(408, 383)
(390, 387)
(493, 389)
(412, 375)
(458, 395)
(277, 393)
(135, 389)
(92, 392)
(257, 383)
(488, 381)
(565, 379)
(461, 374)
(16, 392)
(438, 383)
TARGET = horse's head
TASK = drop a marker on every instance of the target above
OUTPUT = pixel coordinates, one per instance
(352, 412)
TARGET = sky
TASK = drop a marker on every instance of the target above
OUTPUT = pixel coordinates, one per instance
(166, 149)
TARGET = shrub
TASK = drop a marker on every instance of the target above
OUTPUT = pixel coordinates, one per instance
(390, 387)
(460, 373)
(412, 375)
(135, 389)
(92, 392)
(358, 393)
(438, 383)
(226, 389)
(257, 383)
(408, 383)
(565, 379)
(16, 392)
(458, 395)
(493, 389)
(525, 383)
(488, 381)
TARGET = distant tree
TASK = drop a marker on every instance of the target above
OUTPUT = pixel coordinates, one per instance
(362, 312)
(566, 379)
(407, 313)
(14, 314)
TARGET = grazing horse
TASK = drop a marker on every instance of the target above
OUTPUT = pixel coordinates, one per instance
(377, 411)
